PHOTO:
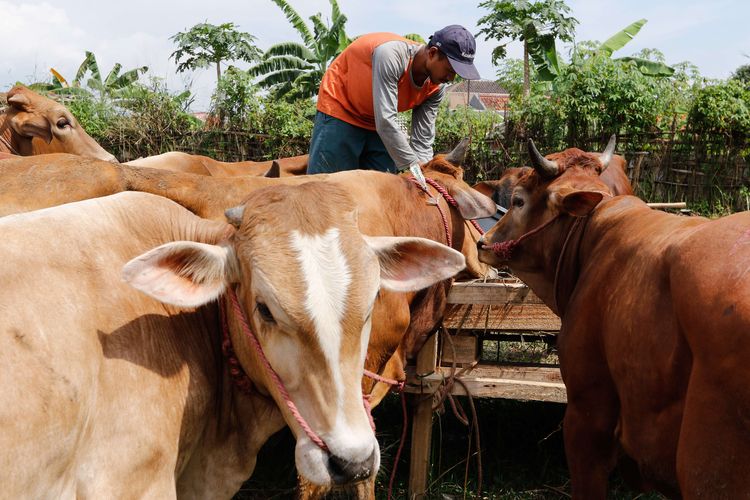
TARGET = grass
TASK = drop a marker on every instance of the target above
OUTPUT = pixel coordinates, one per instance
(522, 456)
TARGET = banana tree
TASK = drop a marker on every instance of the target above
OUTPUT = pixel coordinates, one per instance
(537, 24)
(295, 70)
(621, 38)
(111, 86)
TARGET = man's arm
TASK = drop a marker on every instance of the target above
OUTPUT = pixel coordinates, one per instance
(389, 62)
(423, 125)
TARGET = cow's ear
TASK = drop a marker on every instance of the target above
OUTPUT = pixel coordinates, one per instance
(411, 264)
(30, 124)
(472, 204)
(487, 188)
(183, 273)
(580, 203)
(18, 100)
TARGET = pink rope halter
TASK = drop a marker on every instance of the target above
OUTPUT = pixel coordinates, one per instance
(245, 384)
(272, 373)
(504, 249)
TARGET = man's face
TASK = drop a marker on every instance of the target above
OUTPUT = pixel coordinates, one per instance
(439, 67)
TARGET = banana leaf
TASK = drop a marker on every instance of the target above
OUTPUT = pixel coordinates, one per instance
(620, 39)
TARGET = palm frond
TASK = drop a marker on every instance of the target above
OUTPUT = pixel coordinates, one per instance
(296, 21)
(279, 63)
(293, 49)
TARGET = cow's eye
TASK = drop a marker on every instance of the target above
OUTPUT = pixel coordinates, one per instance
(517, 201)
(63, 122)
(265, 312)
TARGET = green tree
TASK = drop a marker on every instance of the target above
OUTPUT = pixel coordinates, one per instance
(111, 86)
(294, 70)
(536, 24)
(205, 44)
(236, 100)
(742, 74)
(646, 66)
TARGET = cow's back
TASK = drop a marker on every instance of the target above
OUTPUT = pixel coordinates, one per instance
(92, 369)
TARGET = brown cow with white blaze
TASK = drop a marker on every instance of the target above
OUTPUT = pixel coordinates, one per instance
(121, 395)
(655, 336)
(33, 124)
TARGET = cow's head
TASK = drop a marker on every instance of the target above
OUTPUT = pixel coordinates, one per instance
(563, 184)
(42, 125)
(307, 280)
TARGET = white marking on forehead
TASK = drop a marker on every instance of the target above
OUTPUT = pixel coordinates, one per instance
(327, 276)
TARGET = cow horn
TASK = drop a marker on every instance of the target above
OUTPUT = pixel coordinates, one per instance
(545, 167)
(274, 171)
(458, 155)
(606, 156)
(234, 215)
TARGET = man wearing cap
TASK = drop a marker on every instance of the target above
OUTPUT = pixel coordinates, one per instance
(374, 78)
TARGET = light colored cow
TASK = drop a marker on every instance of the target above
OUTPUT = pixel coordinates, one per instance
(33, 124)
(109, 393)
(177, 161)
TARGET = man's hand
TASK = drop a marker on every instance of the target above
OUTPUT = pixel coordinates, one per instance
(416, 171)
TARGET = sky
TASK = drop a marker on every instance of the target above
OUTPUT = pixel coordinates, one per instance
(37, 35)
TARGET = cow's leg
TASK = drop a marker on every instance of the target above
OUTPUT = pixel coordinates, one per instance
(712, 454)
(590, 445)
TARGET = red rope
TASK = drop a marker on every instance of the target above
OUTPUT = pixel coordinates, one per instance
(504, 249)
(448, 237)
(272, 373)
(450, 199)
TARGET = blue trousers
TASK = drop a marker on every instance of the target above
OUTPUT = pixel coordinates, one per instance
(337, 145)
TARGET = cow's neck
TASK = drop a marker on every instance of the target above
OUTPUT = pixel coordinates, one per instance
(554, 277)
(216, 462)
(8, 138)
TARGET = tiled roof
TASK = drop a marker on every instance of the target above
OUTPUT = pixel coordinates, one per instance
(494, 102)
(478, 86)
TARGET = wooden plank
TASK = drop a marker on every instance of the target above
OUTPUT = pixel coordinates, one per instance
(461, 349)
(511, 316)
(491, 293)
(676, 204)
(508, 382)
(421, 433)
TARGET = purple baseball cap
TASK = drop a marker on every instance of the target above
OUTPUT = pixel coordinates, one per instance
(459, 47)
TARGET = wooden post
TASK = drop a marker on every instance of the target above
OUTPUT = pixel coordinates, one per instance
(421, 432)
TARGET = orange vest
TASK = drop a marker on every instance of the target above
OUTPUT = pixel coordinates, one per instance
(346, 89)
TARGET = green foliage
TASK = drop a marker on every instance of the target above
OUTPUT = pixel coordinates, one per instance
(595, 96)
(484, 128)
(646, 66)
(294, 70)
(206, 44)
(537, 24)
(236, 99)
(415, 37)
(722, 107)
(742, 74)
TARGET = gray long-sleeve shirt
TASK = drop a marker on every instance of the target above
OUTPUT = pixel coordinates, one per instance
(389, 61)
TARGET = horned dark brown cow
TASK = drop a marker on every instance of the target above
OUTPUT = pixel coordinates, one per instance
(655, 332)
(33, 124)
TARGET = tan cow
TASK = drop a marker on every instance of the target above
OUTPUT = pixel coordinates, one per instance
(388, 205)
(119, 393)
(33, 124)
(655, 332)
(177, 161)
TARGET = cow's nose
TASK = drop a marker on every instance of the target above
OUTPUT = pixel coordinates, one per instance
(343, 471)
